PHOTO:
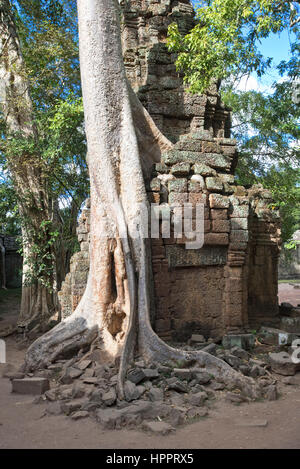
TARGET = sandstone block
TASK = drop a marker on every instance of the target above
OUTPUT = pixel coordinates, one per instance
(218, 201)
(36, 386)
(214, 184)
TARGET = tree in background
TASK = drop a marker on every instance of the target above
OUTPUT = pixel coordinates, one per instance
(42, 144)
(224, 46)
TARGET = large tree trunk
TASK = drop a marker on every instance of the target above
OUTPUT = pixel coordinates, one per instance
(26, 167)
(123, 142)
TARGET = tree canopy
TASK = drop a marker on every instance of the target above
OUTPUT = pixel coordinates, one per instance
(224, 46)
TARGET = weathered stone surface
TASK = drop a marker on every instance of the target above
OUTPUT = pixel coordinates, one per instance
(70, 374)
(218, 201)
(155, 394)
(109, 397)
(196, 413)
(210, 348)
(180, 257)
(136, 376)
(83, 364)
(34, 386)
(178, 185)
(72, 406)
(272, 394)
(178, 386)
(181, 169)
(240, 353)
(182, 373)
(150, 373)
(130, 391)
(81, 414)
(196, 339)
(214, 184)
(233, 361)
(282, 364)
(201, 377)
(198, 399)
(204, 170)
(235, 398)
(244, 341)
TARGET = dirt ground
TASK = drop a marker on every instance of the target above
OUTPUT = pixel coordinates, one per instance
(23, 424)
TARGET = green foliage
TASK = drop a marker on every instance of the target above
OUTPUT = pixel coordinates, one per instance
(268, 132)
(48, 35)
(224, 41)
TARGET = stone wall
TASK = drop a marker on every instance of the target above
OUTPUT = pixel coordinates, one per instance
(152, 73)
(231, 282)
(75, 282)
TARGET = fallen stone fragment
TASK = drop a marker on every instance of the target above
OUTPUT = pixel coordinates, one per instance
(282, 364)
(81, 414)
(51, 395)
(112, 418)
(196, 413)
(161, 428)
(176, 416)
(108, 418)
(155, 394)
(83, 364)
(257, 371)
(35, 386)
(88, 373)
(150, 373)
(210, 348)
(245, 369)
(92, 380)
(183, 373)
(109, 398)
(233, 361)
(272, 336)
(290, 381)
(72, 406)
(196, 339)
(217, 386)
(235, 398)
(244, 341)
(197, 399)
(240, 353)
(69, 375)
(272, 394)
(254, 361)
(136, 375)
(178, 386)
(201, 377)
(130, 391)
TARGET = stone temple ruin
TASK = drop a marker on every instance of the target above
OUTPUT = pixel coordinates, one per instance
(229, 285)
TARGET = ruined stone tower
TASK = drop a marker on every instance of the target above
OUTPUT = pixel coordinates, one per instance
(230, 284)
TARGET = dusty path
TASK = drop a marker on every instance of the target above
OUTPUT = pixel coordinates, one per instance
(23, 424)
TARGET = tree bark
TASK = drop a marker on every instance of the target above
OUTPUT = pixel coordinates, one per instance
(38, 296)
(123, 143)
